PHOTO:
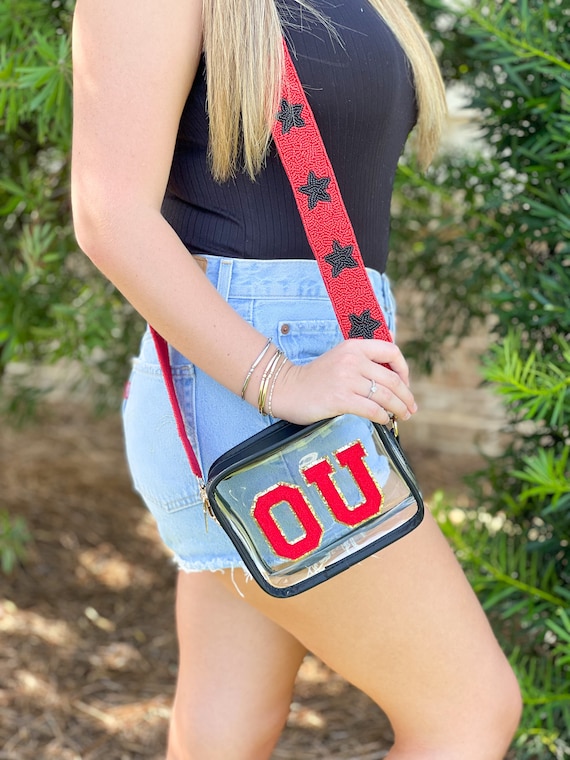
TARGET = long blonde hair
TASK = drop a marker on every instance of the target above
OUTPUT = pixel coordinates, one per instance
(242, 45)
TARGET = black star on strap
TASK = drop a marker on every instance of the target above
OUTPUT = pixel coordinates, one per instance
(363, 326)
(340, 258)
(290, 116)
(316, 189)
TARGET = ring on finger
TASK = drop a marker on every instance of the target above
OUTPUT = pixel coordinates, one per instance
(373, 389)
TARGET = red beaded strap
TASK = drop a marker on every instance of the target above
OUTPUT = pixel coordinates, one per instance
(326, 224)
(323, 213)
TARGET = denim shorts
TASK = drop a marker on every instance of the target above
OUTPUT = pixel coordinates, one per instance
(285, 300)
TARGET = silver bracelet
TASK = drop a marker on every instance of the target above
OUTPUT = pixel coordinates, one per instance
(253, 366)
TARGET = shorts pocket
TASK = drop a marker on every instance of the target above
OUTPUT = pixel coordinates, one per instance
(159, 467)
(304, 340)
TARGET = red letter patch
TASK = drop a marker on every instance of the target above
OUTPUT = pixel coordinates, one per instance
(352, 457)
(293, 496)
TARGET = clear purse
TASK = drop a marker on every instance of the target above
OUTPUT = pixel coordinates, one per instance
(301, 504)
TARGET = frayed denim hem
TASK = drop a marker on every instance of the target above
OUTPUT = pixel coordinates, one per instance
(214, 566)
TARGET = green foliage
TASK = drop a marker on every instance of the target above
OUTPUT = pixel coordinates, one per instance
(14, 536)
(502, 238)
(487, 234)
(529, 608)
(53, 304)
(535, 388)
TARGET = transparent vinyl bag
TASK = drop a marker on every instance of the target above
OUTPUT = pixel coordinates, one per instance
(302, 504)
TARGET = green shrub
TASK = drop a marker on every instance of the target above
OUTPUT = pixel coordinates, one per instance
(500, 246)
(53, 304)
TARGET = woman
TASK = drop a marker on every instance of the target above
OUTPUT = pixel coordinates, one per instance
(155, 179)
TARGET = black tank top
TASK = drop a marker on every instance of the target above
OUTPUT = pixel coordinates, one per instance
(361, 91)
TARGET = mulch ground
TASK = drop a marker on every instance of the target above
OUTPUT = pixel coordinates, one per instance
(87, 644)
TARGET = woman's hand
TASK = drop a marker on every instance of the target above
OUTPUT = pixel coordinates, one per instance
(348, 379)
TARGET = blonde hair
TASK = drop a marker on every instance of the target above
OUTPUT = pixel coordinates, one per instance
(244, 59)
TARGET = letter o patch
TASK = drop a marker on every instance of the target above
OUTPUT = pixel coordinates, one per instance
(293, 496)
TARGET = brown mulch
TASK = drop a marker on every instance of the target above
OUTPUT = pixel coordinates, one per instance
(87, 644)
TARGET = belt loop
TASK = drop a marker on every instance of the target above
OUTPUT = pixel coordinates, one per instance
(225, 277)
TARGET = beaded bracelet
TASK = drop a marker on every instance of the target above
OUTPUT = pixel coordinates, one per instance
(253, 366)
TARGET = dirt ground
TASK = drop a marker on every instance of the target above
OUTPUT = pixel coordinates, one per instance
(87, 644)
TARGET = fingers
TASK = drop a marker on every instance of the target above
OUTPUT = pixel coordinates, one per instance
(380, 376)
(383, 353)
(369, 378)
(390, 394)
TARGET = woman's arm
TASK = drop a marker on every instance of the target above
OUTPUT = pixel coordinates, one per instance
(134, 64)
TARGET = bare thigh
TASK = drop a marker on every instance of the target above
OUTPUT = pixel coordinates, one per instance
(236, 674)
(406, 628)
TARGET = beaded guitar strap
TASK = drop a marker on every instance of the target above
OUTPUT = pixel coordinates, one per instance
(327, 226)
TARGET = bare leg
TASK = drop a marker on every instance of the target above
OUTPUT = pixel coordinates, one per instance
(237, 671)
(405, 627)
